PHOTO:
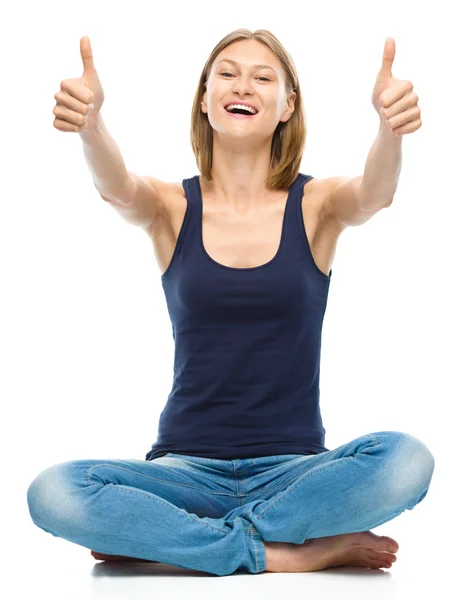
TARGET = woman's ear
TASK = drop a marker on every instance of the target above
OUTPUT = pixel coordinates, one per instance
(203, 103)
(290, 107)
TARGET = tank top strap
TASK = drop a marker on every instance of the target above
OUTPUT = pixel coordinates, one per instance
(190, 223)
(294, 235)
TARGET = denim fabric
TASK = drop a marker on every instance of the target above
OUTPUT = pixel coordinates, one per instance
(213, 515)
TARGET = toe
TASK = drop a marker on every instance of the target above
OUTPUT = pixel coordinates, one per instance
(389, 544)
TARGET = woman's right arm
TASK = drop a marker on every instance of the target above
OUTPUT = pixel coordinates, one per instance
(138, 199)
(106, 164)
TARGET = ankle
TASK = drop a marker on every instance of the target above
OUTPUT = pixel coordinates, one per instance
(278, 557)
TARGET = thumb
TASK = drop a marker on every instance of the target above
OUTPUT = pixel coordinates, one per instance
(87, 56)
(387, 59)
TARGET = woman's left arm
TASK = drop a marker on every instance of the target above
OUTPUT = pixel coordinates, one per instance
(397, 105)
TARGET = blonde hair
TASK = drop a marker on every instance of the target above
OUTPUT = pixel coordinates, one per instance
(289, 137)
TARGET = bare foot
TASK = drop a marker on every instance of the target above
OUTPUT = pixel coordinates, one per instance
(115, 557)
(363, 549)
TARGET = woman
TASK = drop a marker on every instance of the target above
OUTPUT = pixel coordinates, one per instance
(239, 478)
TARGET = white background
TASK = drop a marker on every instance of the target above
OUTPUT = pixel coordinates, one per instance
(86, 342)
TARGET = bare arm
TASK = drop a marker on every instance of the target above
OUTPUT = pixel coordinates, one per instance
(138, 199)
(105, 162)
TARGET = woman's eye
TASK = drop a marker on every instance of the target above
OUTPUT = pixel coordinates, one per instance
(261, 77)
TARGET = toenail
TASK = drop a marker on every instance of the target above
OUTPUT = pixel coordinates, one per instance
(391, 548)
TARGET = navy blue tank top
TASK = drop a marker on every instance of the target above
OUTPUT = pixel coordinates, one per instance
(247, 345)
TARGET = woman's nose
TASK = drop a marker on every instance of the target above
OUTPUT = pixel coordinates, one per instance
(243, 85)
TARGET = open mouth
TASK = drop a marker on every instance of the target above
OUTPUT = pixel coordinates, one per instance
(241, 112)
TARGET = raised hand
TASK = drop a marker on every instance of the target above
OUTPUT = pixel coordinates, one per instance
(394, 99)
(79, 100)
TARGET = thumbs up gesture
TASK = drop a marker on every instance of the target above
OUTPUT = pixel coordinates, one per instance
(79, 100)
(394, 99)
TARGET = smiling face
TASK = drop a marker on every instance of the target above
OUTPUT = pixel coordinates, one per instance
(247, 71)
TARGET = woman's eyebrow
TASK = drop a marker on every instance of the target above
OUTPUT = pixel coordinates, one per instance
(253, 66)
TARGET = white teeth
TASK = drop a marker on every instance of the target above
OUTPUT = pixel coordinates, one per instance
(252, 110)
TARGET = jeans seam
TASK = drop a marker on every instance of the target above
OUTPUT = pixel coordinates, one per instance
(251, 531)
(246, 470)
(374, 443)
(256, 551)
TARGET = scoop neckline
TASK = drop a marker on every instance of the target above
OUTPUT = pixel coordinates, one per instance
(199, 190)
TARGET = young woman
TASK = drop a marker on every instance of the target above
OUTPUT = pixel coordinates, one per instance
(239, 478)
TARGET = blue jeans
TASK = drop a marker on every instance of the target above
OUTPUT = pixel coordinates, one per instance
(213, 515)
